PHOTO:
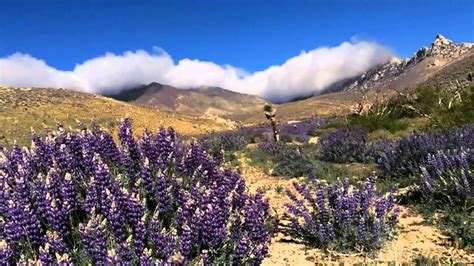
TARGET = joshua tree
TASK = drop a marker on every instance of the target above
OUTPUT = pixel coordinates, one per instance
(269, 112)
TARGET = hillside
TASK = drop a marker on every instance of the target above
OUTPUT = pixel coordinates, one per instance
(203, 101)
(24, 109)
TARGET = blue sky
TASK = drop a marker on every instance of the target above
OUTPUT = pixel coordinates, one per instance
(232, 44)
(248, 34)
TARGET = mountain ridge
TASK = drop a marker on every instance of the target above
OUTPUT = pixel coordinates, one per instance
(201, 101)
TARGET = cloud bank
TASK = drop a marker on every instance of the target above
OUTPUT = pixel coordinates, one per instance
(307, 73)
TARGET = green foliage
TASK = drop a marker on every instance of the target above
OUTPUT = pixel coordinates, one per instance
(279, 189)
(290, 164)
(286, 138)
(267, 108)
(443, 106)
(460, 113)
(422, 260)
(374, 122)
(280, 159)
(354, 172)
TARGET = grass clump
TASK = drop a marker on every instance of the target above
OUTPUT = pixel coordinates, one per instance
(279, 159)
(374, 122)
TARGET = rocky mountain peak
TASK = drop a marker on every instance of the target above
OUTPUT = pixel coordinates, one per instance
(447, 49)
(440, 40)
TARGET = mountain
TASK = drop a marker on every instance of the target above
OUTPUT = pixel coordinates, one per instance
(202, 101)
(443, 64)
(400, 74)
(38, 109)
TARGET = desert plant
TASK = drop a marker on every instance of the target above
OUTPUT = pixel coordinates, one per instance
(269, 113)
(301, 130)
(338, 217)
(346, 144)
(77, 197)
(408, 153)
(446, 176)
(287, 160)
(221, 145)
(443, 194)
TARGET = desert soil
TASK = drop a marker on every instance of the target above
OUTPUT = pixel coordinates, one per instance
(414, 238)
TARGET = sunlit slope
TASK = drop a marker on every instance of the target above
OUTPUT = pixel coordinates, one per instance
(327, 105)
(22, 110)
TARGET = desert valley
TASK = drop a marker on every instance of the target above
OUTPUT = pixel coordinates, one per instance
(375, 167)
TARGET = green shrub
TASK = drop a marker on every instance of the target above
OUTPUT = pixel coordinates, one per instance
(374, 122)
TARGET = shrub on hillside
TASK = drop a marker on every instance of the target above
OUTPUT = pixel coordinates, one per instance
(300, 131)
(379, 148)
(288, 161)
(446, 177)
(342, 218)
(80, 198)
(460, 113)
(374, 122)
(346, 144)
(408, 153)
(216, 144)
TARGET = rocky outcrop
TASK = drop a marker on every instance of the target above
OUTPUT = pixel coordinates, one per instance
(406, 73)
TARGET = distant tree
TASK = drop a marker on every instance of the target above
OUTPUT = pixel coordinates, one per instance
(269, 112)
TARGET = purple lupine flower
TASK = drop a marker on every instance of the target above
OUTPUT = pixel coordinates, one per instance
(13, 227)
(131, 153)
(346, 144)
(55, 216)
(94, 239)
(164, 243)
(125, 255)
(259, 253)
(242, 250)
(68, 194)
(409, 153)
(394, 217)
(341, 214)
(147, 179)
(116, 221)
(162, 194)
(63, 260)
(381, 208)
(362, 231)
(55, 242)
(70, 178)
(112, 258)
(146, 258)
(139, 236)
(186, 240)
(376, 232)
(92, 198)
(45, 256)
(322, 208)
(446, 175)
(6, 253)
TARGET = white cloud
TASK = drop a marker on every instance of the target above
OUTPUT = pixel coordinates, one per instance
(301, 75)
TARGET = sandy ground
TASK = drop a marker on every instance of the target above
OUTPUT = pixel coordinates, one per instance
(413, 238)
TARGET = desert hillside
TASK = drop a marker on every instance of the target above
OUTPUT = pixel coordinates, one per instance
(25, 109)
(202, 102)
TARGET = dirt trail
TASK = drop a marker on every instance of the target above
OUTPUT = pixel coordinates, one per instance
(413, 239)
